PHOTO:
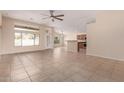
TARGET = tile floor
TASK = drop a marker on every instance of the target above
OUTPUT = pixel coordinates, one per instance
(58, 65)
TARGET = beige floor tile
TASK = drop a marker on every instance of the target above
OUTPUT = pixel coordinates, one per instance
(4, 79)
(38, 77)
(58, 65)
(78, 78)
(25, 80)
(57, 77)
(104, 73)
(32, 70)
(19, 77)
(118, 75)
(99, 78)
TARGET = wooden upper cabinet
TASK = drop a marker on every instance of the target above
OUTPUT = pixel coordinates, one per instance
(81, 37)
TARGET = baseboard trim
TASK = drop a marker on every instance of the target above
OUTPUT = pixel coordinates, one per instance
(25, 52)
(116, 59)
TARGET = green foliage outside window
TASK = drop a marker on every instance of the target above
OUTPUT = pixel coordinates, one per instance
(56, 40)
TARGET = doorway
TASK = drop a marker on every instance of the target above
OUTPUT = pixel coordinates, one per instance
(48, 39)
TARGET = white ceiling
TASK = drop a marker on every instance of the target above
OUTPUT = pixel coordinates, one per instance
(74, 20)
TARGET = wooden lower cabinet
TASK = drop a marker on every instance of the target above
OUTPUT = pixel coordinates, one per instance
(81, 45)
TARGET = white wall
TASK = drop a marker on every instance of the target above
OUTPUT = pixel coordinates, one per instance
(8, 36)
(70, 35)
(106, 36)
(0, 34)
(0, 19)
(0, 42)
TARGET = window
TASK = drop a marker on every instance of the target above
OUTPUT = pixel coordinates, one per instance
(17, 39)
(26, 38)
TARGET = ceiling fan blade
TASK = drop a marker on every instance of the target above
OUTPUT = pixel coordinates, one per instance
(59, 16)
(45, 18)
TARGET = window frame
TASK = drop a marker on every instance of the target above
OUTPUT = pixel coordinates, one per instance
(15, 38)
(35, 39)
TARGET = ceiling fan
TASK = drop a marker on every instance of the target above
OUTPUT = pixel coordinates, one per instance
(54, 17)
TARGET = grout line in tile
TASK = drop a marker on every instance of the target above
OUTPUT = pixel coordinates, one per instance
(25, 68)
